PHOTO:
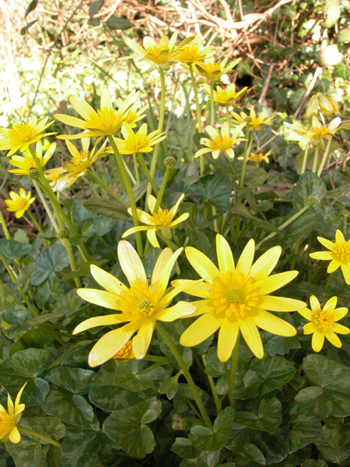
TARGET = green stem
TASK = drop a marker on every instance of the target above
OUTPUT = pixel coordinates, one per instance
(40, 230)
(109, 248)
(186, 373)
(68, 246)
(115, 168)
(247, 150)
(148, 175)
(152, 367)
(232, 374)
(306, 150)
(325, 156)
(213, 389)
(129, 192)
(4, 226)
(40, 436)
(107, 189)
(162, 189)
(155, 358)
(314, 165)
(285, 224)
(46, 206)
(136, 168)
(212, 104)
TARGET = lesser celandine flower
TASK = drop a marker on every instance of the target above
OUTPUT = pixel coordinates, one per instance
(53, 175)
(254, 121)
(323, 322)
(26, 162)
(9, 419)
(139, 141)
(140, 305)
(22, 135)
(317, 132)
(218, 142)
(320, 103)
(193, 53)
(259, 157)
(225, 96)
(134, 114)
(236, 298)
(162, 220)
(80, 162)
(339, 254)
(106, 121)
(19, 203)
(214, 70)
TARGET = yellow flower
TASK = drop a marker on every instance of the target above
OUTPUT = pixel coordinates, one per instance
(106, 121)
(320, 103)
(161, 220)
(259, 157)
(214, 70)
(134, 114)
(220, 142)
(137, 142)
(226, 96)
(53, 175)
(80, 163)
(339, 254)
(140, 305)
(324, 322)
(9, 419)
(22, 135)
(24, 164)
(19, 203)
(125, 352)
(317, 132)
(162, 53)
(254, 121)
(236, 298)
(193, 53)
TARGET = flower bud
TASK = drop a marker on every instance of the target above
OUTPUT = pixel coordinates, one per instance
(34, 174)
(312, 200)
(179, 422)
(63, 233)
(320, 103)
(170, 162)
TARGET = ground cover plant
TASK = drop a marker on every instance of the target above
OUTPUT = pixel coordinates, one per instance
(182, 296)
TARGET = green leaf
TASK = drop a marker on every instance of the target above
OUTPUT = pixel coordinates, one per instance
(334, 443)
(205, 459)
(332, 9)
(169, 387)
(107, 209)
(95, 7)
(49, 426)
(122, 24)
(26, 367)
(341, 71)
(52, 260)
(344, 35)
(305, 428)
(184, 448)
(74, 380)
(99, 225)
(248, 454)
(213, 189)
(31, 7)
(206, 439)
(267, 417)
(278, 345)
(27, 453)
(11, 307)
(13, 250)
(33, 323)
(129, 428)
(309, 184)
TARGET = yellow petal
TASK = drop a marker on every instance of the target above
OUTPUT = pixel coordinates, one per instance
(164, 279)
(322, 255)
(152, 237)
(130, 262)
(133, 230)
(340, 329)
(309, 328)
(330, 305)
(326, 243)
(180, 310)
(224, 254)
(246, 259)
(70, 121)
(18, 408)
(251, 336)
(346, 272)
(14, 436)
(200, 330)
(306, 313)
(317, 341)
(180, 219)
(333, 338)
(264, 265)
(275, 282)
(161, 262)
(106, 347)
(203, 265)
(273, 324)
(82, 107)
(106, 100)
(151, 201)
(107, 281)
(281, 304)
(315, 304)
(339, 313)
(174, 209)
(339, 237)
(142, 340)
(100, 298)
(333, 266)
(106, 320)
(196, 288)
(227, 339)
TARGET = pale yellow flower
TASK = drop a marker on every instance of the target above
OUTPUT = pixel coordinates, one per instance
(26, 162)
(317, 132)
(193, 53)
(19, 203)
(259, 157)
(9, 419)
(225, 96)
(220, 142)
(254, 121)
(323, 104)
(53, 175)
(134, 114)
(214, 70)
(139, 141)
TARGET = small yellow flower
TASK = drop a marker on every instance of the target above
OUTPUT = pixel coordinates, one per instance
(236, 298)
(80, 163)
(259, 157)
(133, 114)
(140, 305)
(125, 352)
(19, 203)
(162, 220)
(226, 96)
(9, 419)
(220, 142)
(317, 132)
(320, 103)
(214, 70)
(254, 121)
(324, 322)
(22, 135)
(193, 53)
(106, 121)
(137, 142)
(24, 164)
(53, 175)
(162, 53)
(339, 254)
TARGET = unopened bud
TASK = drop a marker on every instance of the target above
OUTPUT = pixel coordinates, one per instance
(34, 174)
(311, 200)
(170, 162)
(179, 422)
(63, 233)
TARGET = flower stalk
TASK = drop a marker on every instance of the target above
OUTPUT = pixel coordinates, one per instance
(107, 189)
(232, 374)
(147, 174)
(306, 151)
(314, 165)
(325, 156)
(247, 151)
(27, 431)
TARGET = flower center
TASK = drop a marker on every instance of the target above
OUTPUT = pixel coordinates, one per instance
(223, 143)
(146, 307)
(234, 296)
(162, 217)
(324, 320)
(342, 251)
(108, 120)
(21, 203)
(125, 351)
(6, 424)
(21, 133)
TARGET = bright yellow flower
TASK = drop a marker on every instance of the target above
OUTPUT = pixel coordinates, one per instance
(134, 114)
(53, 175)
(193, 53)
(106, 121)
(140, 305)
(236, 298)
(24, 164)
(22, 135)
(80, 163)
(317, 132)
(162, 53)
(19, 203)
(320, 103)
(226, 96)
(339, 254)
(220, 142)
(259, 157)
(162, 220)
(9, 419)
(324, 322)
(214, 70)
(125, 352)
(137, 142)
(254, 121)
